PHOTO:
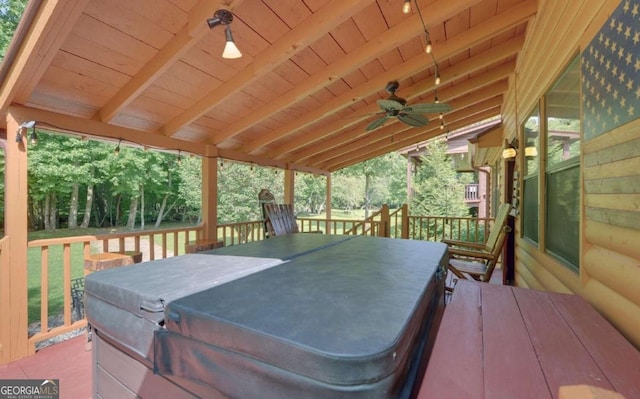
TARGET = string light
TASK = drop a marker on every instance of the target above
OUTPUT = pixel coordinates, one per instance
(406, 7)
(117, 150)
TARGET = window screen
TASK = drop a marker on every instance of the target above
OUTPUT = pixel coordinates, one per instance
(563, 218)
(530, 208)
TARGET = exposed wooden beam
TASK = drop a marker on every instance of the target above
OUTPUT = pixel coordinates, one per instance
(72, 124)
(397, 143)
(43, 38)
(473, 64)
(394, 37)
(323, 20)
(476, 35)
(472, 103)
(190, 34)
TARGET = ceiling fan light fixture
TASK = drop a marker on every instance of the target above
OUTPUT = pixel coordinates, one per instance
(406, 7)
(231, 51)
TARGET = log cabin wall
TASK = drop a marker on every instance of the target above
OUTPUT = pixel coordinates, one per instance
(609, 275)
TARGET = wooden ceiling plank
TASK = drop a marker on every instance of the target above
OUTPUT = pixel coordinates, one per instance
(477, 34)
(329, 16)
(52, 24)
(360, 56)
(473, 64)
(195, 29)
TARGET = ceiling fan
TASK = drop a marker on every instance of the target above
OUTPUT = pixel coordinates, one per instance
(396, 107)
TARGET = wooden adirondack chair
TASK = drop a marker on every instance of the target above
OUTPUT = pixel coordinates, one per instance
(477, 261)
(280, 219)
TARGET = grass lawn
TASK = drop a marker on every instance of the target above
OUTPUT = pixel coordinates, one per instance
(55, 267)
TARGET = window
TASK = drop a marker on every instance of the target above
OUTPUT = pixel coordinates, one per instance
(530, 202)
(562, 169)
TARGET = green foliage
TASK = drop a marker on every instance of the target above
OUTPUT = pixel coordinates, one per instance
(238, 188)
(10, 13)
(438, 189)
(377, 181)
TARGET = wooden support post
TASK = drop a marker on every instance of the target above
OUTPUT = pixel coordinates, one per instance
(405, 221)
(328, 207)
(13, 268)
(386, 221)
(289, 186)
(210, 197)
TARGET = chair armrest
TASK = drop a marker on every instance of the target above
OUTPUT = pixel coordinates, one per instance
(464, 244)
(469, 254)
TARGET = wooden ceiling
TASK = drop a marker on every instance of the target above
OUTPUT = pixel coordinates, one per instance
(150, 72)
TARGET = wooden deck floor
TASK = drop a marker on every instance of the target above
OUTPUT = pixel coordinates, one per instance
(68, 361)
(71, 362)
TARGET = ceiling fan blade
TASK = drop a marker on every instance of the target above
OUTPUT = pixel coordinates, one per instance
(376, 123)
(427, 108)
(413, 119)
(390, 105)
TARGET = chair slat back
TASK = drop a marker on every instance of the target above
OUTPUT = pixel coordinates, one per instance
(496, 252)
(281, 218)
(499, 222)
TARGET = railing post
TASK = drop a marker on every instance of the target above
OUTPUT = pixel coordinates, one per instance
(386, 221)
(405, 221)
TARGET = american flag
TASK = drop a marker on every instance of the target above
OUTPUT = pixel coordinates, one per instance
(611, 72)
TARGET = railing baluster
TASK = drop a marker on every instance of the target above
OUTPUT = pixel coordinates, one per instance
(152, 247)
(66, 264)
(44, 289)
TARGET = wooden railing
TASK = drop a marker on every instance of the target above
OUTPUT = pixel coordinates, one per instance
(241, 233)
(472, 192)
(66, 247)
(58, 252)
(437, 228)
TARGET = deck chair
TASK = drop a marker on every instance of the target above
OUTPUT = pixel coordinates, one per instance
(477, 261)
(280, 219)
(265, 197)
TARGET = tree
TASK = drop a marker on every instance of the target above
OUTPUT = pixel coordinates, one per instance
(378, 174)
(310, 193)
(10, 13)
(438, 189)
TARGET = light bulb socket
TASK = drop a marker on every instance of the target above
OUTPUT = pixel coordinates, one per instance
(221, 17)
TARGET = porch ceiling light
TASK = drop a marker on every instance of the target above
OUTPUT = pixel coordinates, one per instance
(225, 17)
(33, 137)
(508, 152)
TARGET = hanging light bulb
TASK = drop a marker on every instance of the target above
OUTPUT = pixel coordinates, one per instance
(406, 7)
(33, 138)
(225, 17)
(442, 124)
(179, 161)
(230, 49)
(428, 47)
(117, 150)
(437, 78)
(441, 116)
(436, 100)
